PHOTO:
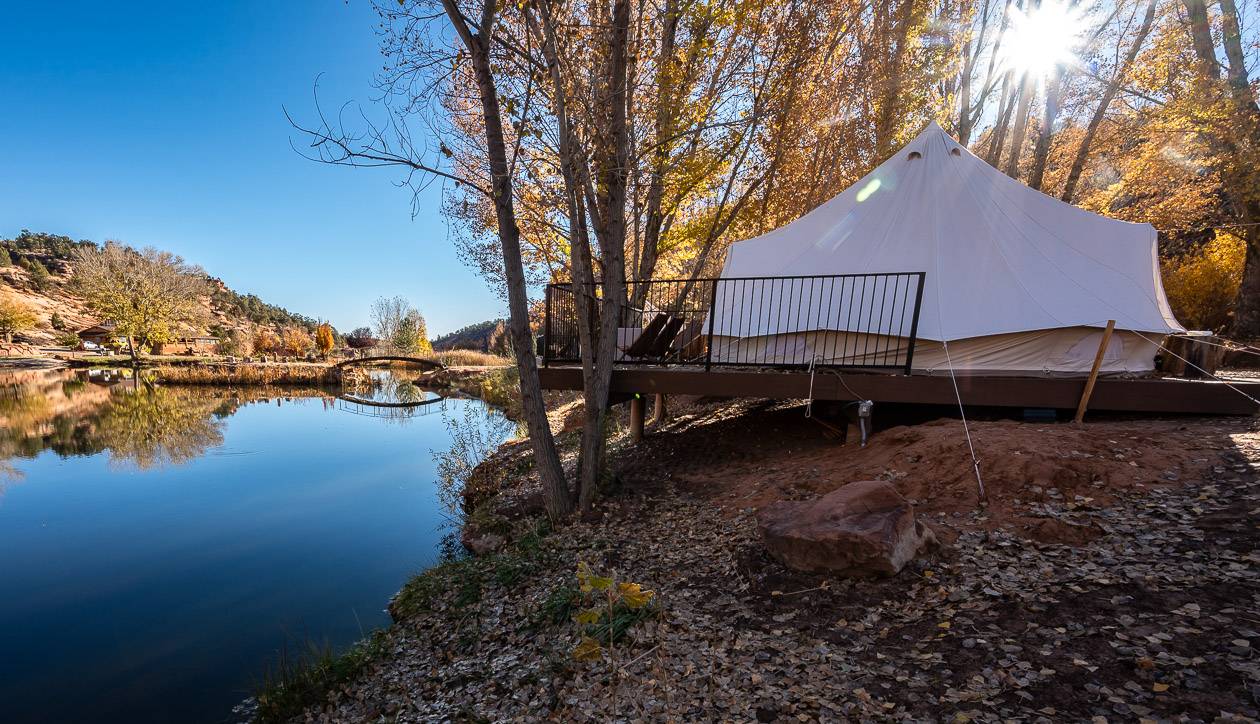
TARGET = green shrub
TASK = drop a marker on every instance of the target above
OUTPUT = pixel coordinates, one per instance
(502, 388)
(40, 278)
(604, 609)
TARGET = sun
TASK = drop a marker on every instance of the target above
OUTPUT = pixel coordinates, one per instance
(1042, 39)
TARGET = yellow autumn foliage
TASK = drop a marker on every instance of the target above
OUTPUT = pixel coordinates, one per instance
(634, 595)
(588, 650)
(609, 608)
(1202, 285)
(324, 340)
(15, 316)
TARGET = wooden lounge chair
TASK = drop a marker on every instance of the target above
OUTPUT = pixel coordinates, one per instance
(665, 340)
(647, 340)
(689, 344)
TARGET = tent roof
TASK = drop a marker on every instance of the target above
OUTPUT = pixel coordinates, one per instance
(1000, 257)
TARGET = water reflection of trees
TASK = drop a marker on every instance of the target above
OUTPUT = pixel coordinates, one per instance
(147, 426)
(40, 409)
(136, 423)
(154, 426)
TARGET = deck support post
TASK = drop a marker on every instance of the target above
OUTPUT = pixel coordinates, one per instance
(658, 409)
(636, 418)
(1093, 373)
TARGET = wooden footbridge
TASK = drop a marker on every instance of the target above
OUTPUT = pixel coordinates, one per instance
(417, 361)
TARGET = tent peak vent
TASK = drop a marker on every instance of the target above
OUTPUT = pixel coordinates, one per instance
(955, 152)
(915, 154)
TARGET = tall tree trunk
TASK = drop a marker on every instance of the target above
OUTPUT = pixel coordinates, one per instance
(595, 314)
(1041, 153)
(1247, 304)
(1231, 40)
(662, 131)
(997, 137)
(1246, 200)
(964, 97)
(720, 225)
(1100, 113)
(987, 88)
(606, 205)
(1027, 86)
(555, 489)
(1027, 89)
(893, 82)
(1240, 179)
(593, 399)
(1201, 38)
(971, 53)
(581, 265)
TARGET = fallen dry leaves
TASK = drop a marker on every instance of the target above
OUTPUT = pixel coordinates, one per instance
(1155, 617)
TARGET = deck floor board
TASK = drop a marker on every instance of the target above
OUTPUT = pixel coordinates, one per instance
(1146, 395)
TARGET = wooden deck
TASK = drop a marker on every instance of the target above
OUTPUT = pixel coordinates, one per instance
(1156, 395)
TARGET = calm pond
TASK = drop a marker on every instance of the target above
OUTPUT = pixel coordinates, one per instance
(160, 545)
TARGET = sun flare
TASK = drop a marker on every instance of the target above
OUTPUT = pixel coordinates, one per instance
(1043, 38)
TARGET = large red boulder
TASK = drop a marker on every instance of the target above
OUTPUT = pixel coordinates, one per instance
(862, 529)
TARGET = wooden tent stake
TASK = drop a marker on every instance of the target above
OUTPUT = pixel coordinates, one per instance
(1093, 373)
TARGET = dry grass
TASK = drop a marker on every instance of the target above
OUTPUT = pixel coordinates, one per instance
(470, 358)
(123, 359)
(248, 374)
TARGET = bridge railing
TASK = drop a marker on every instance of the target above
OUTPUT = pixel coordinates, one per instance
(418, 361)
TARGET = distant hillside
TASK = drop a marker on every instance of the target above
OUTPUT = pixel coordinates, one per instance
(489, 336)
(37, 267)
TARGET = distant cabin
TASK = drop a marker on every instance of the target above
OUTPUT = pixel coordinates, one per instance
(105, 334)
(188, 346)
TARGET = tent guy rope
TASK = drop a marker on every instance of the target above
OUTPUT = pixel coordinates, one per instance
(975, 461)
(1209, 374)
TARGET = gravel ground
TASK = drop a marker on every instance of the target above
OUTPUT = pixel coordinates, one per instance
(1157, 618)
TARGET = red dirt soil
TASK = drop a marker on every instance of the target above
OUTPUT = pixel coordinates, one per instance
(749, 454)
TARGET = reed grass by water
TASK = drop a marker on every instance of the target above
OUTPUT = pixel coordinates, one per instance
(470, 358)
(298, 681)
(249, 374)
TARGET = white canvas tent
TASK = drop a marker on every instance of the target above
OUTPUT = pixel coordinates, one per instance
(1016, 281)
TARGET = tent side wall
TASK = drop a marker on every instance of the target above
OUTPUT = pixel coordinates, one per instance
(1064, 351)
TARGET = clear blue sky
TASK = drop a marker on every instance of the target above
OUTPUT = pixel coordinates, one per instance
(160, 124)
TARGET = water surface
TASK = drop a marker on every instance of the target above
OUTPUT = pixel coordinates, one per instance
(158, 545)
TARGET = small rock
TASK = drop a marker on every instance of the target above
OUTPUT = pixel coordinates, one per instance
(480, 545)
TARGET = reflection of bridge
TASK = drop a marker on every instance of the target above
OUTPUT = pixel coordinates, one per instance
(390, 410)
(377, 403)
(419, 362)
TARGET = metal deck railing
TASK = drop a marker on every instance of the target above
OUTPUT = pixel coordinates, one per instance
(851, 321)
